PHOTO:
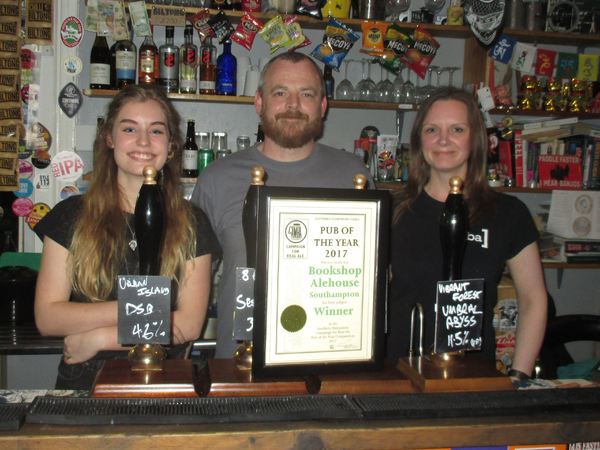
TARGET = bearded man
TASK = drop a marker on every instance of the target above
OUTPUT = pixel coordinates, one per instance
(291, 104)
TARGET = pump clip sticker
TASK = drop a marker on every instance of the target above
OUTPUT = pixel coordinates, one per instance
(67, 166)
(70, 100)
(71, 31)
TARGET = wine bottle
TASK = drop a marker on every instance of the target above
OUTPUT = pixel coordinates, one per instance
(190, 153)
(149, 223)
(208, 70)
(100, 63)
(148, 62)
(454, 224)
(169, 62)
(188, 61)
(226, 71)
(125, 63)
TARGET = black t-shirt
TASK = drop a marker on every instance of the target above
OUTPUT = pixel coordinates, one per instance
(59, 225)
(416, 259)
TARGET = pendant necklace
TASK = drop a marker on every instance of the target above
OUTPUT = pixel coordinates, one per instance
(133, 242)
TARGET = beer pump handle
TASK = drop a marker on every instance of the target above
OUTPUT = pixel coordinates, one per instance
(250, 215)
(149, 223)
(453, 231)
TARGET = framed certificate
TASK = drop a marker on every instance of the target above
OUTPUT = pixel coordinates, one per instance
(320, 280)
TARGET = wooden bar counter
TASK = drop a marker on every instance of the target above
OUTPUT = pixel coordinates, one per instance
(537, 429)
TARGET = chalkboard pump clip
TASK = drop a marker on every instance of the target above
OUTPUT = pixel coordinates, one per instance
(417, 308)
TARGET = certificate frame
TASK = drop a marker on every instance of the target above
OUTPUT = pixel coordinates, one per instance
(321, 281)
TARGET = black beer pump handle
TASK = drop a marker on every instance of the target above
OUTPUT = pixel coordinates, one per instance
(250, 215)
(149, 223)
(453, 231)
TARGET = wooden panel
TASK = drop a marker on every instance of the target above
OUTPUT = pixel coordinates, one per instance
(459, 374)
(227, 380)
(387, 381)
(474, 63)
(116, 379)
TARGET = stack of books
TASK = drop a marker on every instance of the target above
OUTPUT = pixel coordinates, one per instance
(581, 250)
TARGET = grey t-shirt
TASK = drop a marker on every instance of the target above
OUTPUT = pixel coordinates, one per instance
(220, 192)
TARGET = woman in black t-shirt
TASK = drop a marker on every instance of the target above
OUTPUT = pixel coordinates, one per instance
(449, 139)
(89, 240)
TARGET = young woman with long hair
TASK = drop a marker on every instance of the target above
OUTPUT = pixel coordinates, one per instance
(449, 139)
(90, 239)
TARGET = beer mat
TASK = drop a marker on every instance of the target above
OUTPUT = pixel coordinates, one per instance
(12, 416)
(465, 404)
(167, 411)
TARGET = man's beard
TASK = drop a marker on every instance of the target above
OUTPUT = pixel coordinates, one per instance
(294, 133)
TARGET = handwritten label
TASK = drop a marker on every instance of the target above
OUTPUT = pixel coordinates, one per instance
(459, 315)
(243, 314)
(144, 315)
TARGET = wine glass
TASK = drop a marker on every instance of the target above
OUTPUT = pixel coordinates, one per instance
(385, 88)
(345, 89)
(398, 87)
(429, 87)
(366, 88)
(395, 8)
(451, 71)
(439, 71)
(409, 93)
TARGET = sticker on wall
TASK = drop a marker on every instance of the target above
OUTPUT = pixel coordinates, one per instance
(22, 207)
(70, 100)
(67, 166)
(25, 169)
(25, 188)
(42, 181)
(38, 137)
(37, 213)
(25, 94)
(41, 159)
(27, 59)
(68, 191)
(71, 31)
(72, 65)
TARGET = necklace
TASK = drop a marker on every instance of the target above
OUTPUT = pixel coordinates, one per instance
(133, 242)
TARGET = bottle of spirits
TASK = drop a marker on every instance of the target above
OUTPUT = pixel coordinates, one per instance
(188, 61)
(100, 64)
(208, 70)
(168, 54)
(190, 153)
(226, 71)
(125, 63)
(148, 62)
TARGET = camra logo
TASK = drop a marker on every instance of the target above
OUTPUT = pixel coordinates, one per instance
(295, 231)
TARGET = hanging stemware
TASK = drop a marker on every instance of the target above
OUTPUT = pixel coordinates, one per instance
(345, 89)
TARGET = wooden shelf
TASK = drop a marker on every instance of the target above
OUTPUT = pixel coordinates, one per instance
(247, 100)
(545, 114)
(566, 265)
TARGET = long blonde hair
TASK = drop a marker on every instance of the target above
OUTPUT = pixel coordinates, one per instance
(98, 247)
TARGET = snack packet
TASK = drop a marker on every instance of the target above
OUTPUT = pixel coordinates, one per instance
(373, 33)
(337, 42)
(201, 25)
(297, 36)
(275, 34)
(311, 8)
(395, 45)
(221, 26)
(246, 30)
(424, 49)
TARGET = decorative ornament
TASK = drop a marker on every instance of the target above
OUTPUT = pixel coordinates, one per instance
(485, 18)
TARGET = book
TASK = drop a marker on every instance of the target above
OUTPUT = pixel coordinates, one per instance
(593, 180)
(519, 166)
(573, 246)
(550, 123)
(592, 257)
(559, 172)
